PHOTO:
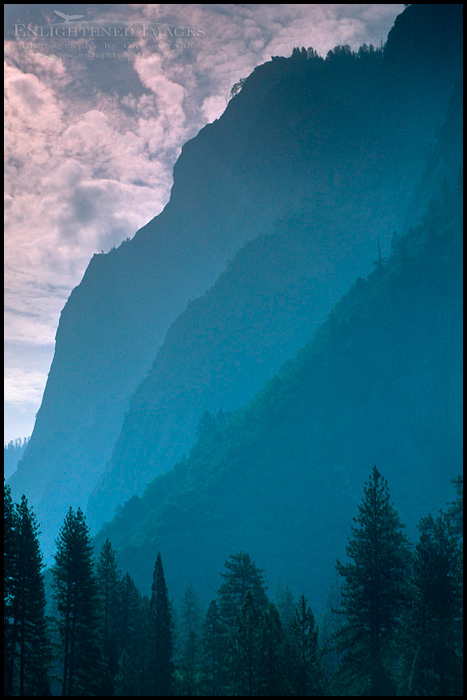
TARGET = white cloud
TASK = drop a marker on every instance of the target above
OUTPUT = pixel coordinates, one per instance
(213, 107)
(23, 387)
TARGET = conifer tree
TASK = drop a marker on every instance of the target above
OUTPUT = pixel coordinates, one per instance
(273, 656)
(108, 579)
(373, 593)
(242, 576)
(10, 562)
(212, 650)
(125, 679)
(76, 595)
(26, 645)
(286, 605)
(305, 672)
(245, 658)
(129, 615)
(433, 627)
(159, 671)
(132, 629)
(141, 653)
(32, 644)
(189, 640)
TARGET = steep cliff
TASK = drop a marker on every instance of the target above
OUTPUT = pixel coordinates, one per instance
(278, 288)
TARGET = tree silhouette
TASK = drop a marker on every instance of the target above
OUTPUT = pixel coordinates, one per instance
(27, 646)
(373, 593)
(10, 566)
(241, 577)
(76, 596)
(159, 668)
(212, 649)
(433, 664)
(189, 640)
(305, 670)
(108, 591)
(246, 652)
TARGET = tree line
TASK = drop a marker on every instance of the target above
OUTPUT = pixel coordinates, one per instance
(396, 618)
(12, 453)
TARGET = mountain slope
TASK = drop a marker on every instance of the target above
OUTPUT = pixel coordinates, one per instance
(278, 288)
(313, 134)
(381, 382)
(225, 345)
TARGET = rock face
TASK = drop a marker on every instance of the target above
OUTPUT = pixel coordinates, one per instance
(380, 383)
(276, 291)
(342, 142)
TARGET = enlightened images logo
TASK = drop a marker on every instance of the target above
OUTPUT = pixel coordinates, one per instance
(68, 18)
(70, 28)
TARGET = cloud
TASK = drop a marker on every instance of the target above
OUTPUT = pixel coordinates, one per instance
(22, 394)
(22, 387)
(213, 106)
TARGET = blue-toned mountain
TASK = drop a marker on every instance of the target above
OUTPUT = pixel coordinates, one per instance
(280, 286)
(281, 478)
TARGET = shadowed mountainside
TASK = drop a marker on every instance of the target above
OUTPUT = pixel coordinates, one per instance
(381, 382)
(281, 286)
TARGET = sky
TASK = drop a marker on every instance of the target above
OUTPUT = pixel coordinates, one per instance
(97, 109)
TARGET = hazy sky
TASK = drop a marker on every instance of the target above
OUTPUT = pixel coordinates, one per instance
(93, 125)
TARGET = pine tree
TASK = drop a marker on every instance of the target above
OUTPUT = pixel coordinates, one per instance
(108, 589)
(273, 655)
(26, 647)
(125, 679)
(32, 644)
(433, 627)
(131, 630)
(211, 644)
(141, 653)
(305, 672)
(159, 670)
(245, 658)
(373, 593)
(76, 596)
(242, 576)
(189, 640)
(286, 605)
(10, 565)
(212, 650)
(128, 622)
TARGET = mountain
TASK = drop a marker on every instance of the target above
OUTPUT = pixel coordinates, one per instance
(279, 287)
(311, 136)
(281, 478)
